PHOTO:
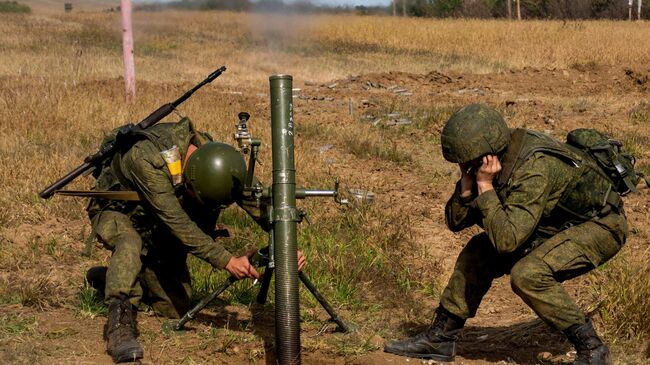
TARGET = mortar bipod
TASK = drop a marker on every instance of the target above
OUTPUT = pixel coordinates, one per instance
(263, 258)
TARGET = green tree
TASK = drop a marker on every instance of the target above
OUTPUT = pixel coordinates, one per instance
(444, 8)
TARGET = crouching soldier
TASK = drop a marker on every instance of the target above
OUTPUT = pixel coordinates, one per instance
(183, 180)
(548, 213)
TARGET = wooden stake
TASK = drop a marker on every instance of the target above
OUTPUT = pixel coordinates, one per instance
(509, 2)
(127, 50)
(638, 12)
(518, 10)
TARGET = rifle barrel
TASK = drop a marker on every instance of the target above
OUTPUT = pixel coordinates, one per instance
(65, 180)
(207, 80)
(156, 116)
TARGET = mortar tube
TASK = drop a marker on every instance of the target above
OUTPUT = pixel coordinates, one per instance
(285, 217)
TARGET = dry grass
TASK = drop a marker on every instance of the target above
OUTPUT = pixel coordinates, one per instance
(61, 89)
(626, 299)
(323, 47)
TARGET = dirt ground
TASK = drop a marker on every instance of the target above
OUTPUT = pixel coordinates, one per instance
(505, 331)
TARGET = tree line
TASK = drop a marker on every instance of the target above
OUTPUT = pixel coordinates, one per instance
(535, 9)
(526, 9)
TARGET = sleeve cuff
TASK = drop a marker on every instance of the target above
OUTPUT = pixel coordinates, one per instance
(221, 261)
(486, 201)
(465, 201)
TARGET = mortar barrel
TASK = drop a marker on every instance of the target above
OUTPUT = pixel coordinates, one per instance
(285, 217)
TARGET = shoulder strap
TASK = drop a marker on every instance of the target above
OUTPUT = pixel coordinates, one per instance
(158, 135)
(525, 142)
(511, 156)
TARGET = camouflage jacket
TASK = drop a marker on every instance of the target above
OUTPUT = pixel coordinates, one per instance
(526, 206)
(162, 207)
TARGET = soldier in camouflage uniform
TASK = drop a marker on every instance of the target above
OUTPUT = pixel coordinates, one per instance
(150, 238)
(547, 215)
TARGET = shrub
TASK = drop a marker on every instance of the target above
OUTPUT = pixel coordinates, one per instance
(14, 7)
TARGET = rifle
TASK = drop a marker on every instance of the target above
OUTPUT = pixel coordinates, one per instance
(109, 149)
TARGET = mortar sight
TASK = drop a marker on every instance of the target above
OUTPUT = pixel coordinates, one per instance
(242, 135)
(254, 191)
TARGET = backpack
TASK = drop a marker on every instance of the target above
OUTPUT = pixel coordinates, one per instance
(603, 172)
(609, 156)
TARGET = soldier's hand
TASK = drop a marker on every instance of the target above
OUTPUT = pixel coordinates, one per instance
(488, 171)
(240, 268)
(302, 260)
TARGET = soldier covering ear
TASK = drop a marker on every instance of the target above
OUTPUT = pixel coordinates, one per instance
(548, 213)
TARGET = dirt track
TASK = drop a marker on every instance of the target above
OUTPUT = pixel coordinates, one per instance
(505, 330)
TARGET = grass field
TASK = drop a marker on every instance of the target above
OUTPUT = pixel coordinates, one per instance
(61, 89)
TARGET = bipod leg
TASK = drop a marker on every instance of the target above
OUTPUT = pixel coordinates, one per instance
(328, 308)
(266, 282)
(197, 308)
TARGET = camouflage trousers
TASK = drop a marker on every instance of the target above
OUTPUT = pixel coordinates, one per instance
(150, 275)
(535, 275)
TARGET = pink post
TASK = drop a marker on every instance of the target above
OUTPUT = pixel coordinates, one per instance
(127, 48)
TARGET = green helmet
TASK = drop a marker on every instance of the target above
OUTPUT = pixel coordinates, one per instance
(474, 131)
(215, 173)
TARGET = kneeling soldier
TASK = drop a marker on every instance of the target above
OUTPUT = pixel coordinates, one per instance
(180, 202)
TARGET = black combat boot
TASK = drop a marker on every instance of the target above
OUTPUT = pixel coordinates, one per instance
(96, 278)
(590, 348)
(438, 342)
(120, 332)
